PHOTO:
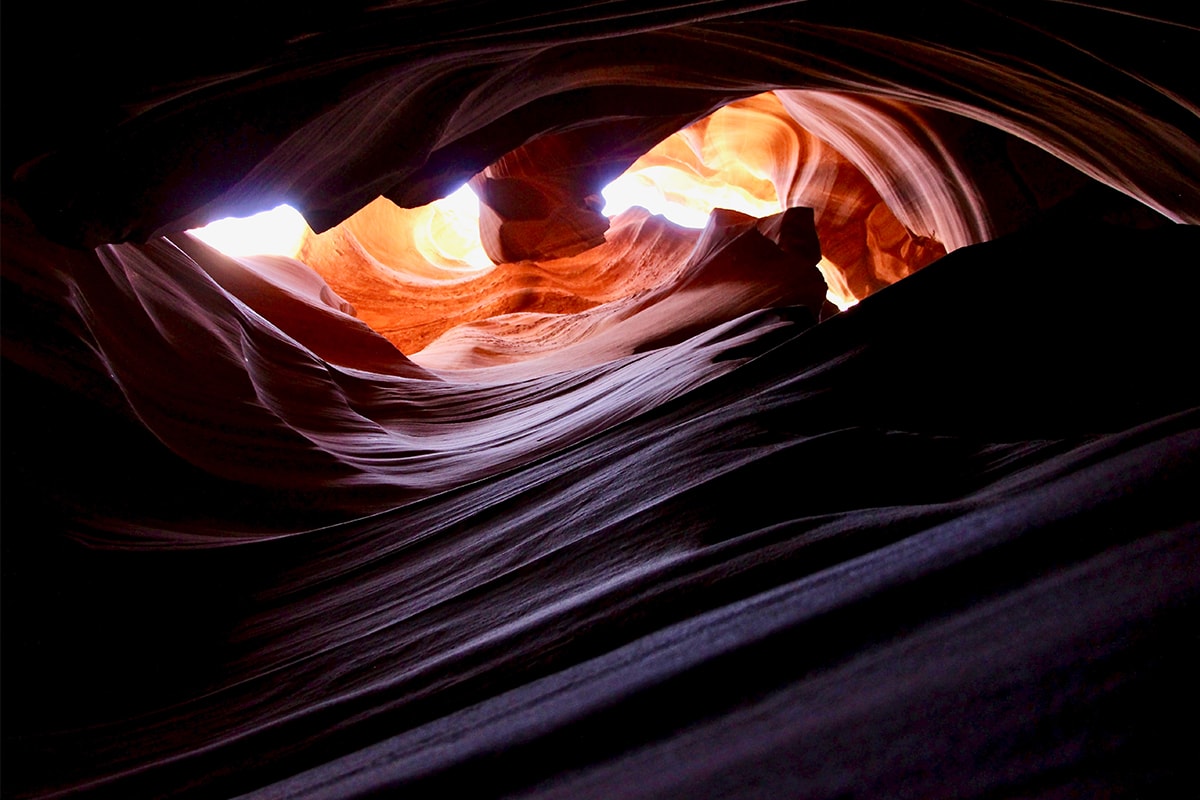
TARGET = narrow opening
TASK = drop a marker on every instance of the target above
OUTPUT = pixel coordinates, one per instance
(276, 232)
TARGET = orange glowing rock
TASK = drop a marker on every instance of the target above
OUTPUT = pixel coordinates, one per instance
(739, 264)
(370, 261)
(415, 274)
(752, 155)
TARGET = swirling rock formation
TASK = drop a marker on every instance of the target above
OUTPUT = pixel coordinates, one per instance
(626, 518)
(534, 208)
(398, 299)
(756, 148)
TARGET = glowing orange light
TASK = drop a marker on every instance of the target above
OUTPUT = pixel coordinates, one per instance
(727, 160)
(719, 162)
(445, 232)
(682, 196)
(750, 156)
(839, 293)
(448, 234)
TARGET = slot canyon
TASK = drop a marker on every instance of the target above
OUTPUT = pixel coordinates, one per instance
(877, 479)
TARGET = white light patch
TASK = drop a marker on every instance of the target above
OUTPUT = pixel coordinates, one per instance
(452, 231)
(462, 202)
(275, 232)
(640, 189)
(680, 197)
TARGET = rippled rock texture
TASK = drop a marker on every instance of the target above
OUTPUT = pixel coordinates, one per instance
(625, 510)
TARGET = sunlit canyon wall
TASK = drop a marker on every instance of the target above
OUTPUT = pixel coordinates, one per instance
(621, 508)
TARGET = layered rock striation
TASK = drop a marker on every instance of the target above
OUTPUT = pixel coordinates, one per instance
(628, 511)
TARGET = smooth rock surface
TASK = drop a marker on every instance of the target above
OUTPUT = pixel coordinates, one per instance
(642, 520)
